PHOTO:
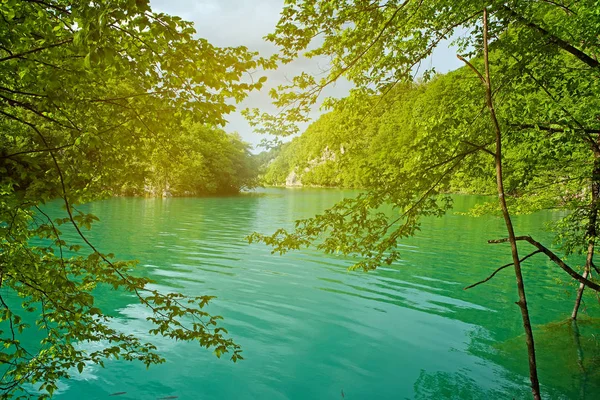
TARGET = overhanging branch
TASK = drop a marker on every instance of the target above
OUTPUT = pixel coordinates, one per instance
(555, 259)
(19, 55)
(553, 129)
(583, 57)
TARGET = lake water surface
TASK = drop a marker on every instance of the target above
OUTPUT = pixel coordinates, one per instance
(312, 330)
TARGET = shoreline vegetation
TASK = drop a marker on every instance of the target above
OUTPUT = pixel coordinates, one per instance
(208, 162)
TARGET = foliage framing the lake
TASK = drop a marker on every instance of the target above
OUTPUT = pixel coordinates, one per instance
(534, 78)
(94, 99)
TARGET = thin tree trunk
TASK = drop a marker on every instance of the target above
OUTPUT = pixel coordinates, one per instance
(522, 303)
(591, 231)
(581, 285)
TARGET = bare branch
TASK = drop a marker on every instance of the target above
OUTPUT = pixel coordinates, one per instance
(461, 58)
(29, 107)
(481, 147)
(49, 5)
(500, 269)
(555, 259)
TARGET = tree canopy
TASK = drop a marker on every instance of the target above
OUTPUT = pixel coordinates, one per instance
(100, 98)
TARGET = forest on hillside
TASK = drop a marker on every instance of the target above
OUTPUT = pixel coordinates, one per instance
(339, 151)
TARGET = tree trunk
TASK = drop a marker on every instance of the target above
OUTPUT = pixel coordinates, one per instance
(591, 230)
(581, 285)
(522, 303)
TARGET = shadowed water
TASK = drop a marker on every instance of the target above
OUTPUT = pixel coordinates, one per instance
(312, 330)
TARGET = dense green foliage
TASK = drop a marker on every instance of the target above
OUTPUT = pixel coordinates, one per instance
(381, 141)
(198, 160)
(521, 120)
(407, 142)
(98, 98)
(407, 121)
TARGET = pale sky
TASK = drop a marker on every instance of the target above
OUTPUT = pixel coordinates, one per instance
(246, 22)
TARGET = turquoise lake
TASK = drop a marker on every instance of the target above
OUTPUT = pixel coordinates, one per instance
(310, 329)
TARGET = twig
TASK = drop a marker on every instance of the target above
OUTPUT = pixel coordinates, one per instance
(37, 151)
(552, 129)
(500, 269)
(480, 147)
(35, 50)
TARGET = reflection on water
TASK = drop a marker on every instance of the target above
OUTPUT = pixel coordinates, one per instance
(312, 330)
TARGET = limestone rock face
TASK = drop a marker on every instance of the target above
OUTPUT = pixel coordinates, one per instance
(293, 179)
(152, 190)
